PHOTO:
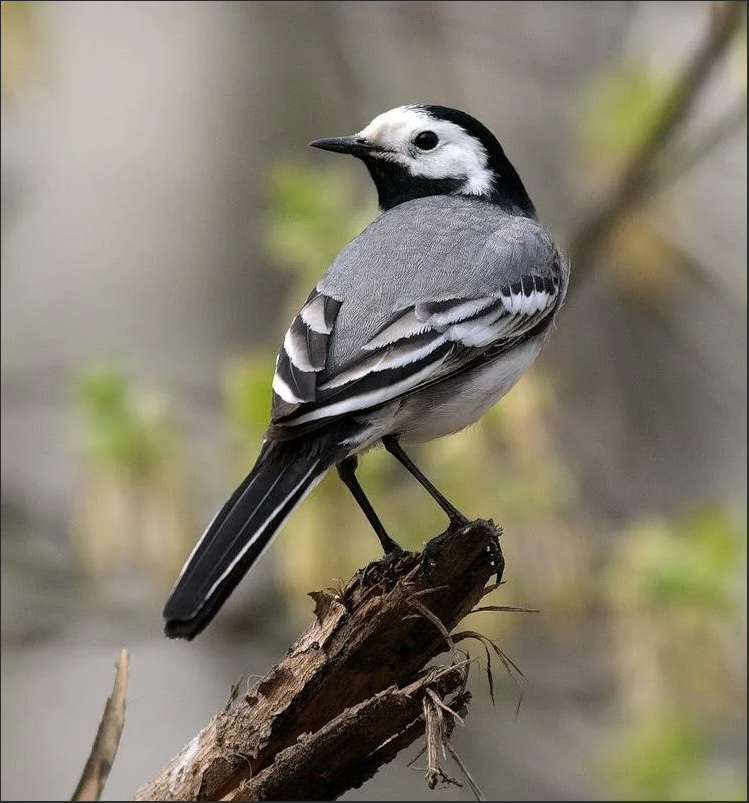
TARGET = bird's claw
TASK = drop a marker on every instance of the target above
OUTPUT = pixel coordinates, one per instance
(383, 566)
(496, 558)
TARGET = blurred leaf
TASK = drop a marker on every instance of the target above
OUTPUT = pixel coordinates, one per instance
(665, 757)
(660, 759)
(133, 501)
(119, 427)
(618, 111)
(247, 394)
(19, 43)
(644, 265)
(313, 213)
(677, 591)
(689, 561)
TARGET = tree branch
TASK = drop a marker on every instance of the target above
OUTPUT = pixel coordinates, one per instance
(346, 752)
(107, 739)
(709, 141)
(349, 695)
(639, 177)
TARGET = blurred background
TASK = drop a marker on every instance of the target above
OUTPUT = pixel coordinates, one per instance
(163, 218)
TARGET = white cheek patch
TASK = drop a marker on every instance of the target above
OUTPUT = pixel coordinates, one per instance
(394, 127)
(479, 183)
(458, 155)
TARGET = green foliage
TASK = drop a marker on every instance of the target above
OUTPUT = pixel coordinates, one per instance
(132, 505)
(667, 758)
(247, 396)
(702, 567)
(313, 213)
(691, 560)
(677, 590)
(619, 110)
(659, 760)
(19, 44)
(120, 427)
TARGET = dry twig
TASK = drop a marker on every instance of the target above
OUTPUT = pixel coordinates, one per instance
(107, 739)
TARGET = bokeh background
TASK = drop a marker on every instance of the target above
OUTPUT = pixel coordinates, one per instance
(162, 218)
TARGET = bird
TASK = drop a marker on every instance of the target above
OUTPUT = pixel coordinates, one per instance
(422, 323)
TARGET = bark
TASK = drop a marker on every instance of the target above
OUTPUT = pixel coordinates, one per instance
(352, 691)
(107, 740)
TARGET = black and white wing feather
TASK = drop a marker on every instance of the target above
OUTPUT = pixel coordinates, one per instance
(303, 355)
(419, 346)
(429, 290)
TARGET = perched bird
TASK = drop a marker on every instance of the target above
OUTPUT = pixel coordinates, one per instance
(421, 324)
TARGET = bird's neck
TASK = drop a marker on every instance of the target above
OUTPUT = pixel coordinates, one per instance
(395, 185)
(508, 190)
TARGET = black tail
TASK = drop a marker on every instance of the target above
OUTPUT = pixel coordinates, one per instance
(240, 531)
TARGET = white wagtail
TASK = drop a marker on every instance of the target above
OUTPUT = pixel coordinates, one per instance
(421, 324)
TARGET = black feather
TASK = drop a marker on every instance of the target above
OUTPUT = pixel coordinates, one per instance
(247, 522)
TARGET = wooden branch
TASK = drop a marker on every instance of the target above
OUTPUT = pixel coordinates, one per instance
(345, 752)
(107, 739)
(349, 695)
(708, 142)
(640, 175)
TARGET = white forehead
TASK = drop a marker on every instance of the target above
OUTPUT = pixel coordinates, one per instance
(459, 154)
(398, 126)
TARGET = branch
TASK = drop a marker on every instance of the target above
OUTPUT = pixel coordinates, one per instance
(639, 177)
(683, 161)
(346, 752)
(107, 739)
(349, 695)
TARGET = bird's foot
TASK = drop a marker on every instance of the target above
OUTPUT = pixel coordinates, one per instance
(384, 567)
(431, 548)
(496, 557)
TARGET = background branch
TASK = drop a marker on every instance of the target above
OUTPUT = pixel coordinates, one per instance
(709, 141)
(640, 176)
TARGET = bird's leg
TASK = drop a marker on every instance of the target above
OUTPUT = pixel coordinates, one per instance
(347, 473)
(457, 519)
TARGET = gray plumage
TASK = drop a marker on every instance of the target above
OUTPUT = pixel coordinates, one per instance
(421, 324)
(429, 287)
(431, 249)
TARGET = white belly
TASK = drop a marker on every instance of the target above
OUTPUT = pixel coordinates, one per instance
(454, 405)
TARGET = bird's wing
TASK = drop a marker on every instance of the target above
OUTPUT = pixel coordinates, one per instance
(434, 337)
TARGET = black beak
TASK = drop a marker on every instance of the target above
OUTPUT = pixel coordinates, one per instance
(353, 145)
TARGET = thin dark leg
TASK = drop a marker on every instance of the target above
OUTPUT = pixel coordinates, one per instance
(347, 473)
(455, 516)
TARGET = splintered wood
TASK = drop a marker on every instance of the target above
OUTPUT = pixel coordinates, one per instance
(354, 689)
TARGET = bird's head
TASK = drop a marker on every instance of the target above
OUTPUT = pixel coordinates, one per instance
(420, 150)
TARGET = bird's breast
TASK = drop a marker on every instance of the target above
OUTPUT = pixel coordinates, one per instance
(457, 403)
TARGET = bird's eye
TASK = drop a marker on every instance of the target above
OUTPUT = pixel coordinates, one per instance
(426, 140)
